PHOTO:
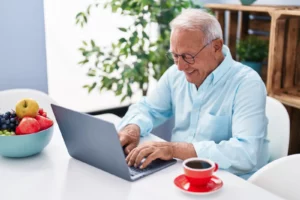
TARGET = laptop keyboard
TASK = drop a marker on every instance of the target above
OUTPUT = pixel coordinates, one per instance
(155, 164)
(134, 171)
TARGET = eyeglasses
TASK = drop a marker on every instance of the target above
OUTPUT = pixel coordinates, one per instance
(186, 57)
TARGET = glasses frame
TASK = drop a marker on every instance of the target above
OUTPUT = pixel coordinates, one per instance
(184, 54)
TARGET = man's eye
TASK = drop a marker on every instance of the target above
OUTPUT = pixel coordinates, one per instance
(187, 57)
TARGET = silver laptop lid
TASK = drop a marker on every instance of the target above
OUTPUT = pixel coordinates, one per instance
(92, 140)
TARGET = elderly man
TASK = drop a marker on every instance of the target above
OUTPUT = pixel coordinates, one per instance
(218, 103)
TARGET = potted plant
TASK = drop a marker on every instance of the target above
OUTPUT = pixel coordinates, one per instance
(135, 57)
(247, 2)
(252, 51)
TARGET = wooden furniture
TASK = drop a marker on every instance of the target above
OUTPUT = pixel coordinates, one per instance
(284, 57)
(281, 73)
(283, 82)
(241, 22)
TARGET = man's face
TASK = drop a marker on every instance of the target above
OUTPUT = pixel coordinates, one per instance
(190, 42)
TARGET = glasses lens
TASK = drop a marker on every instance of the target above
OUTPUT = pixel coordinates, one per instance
(188, 58)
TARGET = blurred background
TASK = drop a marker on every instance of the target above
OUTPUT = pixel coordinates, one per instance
(40, 44)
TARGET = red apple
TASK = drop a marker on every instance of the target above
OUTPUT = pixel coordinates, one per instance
(44, 114)
(41, 111)
(18, 132)
(44, 122)
(28, 125)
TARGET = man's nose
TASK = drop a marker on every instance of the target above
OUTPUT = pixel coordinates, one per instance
(182, 65)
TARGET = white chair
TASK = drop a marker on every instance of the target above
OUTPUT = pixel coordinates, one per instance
(9, 99)
(280, 177)
(278, 128)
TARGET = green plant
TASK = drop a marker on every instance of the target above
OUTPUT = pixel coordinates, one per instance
(252, 49)
(136, 56)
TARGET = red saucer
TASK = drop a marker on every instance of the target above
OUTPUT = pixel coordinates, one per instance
(212, 186)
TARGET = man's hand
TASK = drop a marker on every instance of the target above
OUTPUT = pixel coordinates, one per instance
(150, 151)
(129, 137)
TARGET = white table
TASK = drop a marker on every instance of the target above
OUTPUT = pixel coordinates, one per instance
(54, 175)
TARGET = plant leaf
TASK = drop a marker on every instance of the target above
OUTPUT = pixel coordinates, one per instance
(91, 73)
(122, 29)
(92, 87)
(92, 43)
(87, 53)
(122, 40)
(83, 62)
(79, 14)
(88, 10)
(123, 98)
(145, 35)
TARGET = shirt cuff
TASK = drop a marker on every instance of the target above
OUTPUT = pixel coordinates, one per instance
(145, 126)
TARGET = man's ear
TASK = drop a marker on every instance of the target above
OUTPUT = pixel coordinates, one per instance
(217, 45)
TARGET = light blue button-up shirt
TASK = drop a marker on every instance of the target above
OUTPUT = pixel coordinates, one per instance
(224, 119)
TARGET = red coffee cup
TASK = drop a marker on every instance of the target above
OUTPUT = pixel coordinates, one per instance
(199, 171)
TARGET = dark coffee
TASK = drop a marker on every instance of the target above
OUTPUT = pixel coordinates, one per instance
(198, 164)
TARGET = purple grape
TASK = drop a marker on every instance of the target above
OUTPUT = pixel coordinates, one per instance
(4, 126)
(6, 116)
(3, 120)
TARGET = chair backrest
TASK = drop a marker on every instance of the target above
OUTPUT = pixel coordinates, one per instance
(278, 128)
(281, 177)
(9, 99)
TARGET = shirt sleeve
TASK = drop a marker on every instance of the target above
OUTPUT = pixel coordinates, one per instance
(152, 110)
(249, 122)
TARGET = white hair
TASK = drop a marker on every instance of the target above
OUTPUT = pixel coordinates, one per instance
(197, 19)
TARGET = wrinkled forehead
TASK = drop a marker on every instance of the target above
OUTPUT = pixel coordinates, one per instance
(183, 40)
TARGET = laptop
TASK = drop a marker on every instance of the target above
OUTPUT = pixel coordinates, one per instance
(96, 142)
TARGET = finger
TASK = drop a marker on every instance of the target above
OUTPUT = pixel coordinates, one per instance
(134, 154)
(129, 155)
(123, 140)
(129, 148)
(149, 159)
(142, 154)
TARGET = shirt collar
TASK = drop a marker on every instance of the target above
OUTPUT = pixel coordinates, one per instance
(224, 66)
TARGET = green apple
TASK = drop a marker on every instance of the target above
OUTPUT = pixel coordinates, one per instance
(27, 108)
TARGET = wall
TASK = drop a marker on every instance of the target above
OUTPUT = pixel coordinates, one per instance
(22, 45)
